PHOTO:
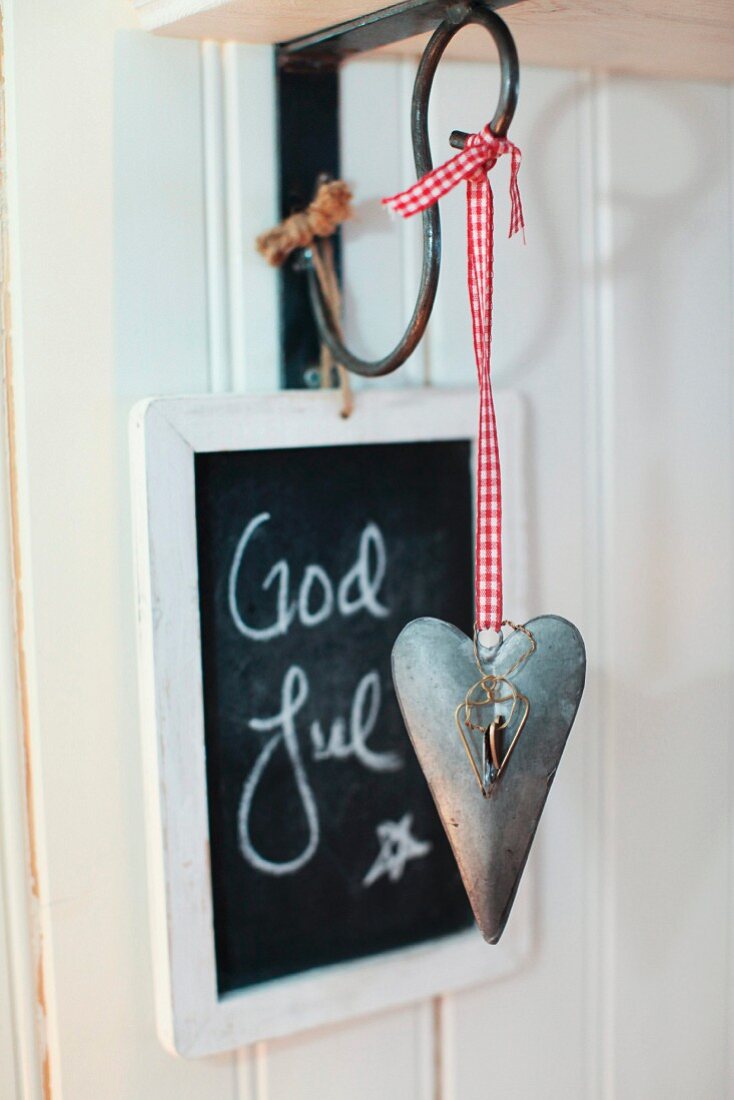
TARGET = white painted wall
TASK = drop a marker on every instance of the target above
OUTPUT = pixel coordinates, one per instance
(142, 170)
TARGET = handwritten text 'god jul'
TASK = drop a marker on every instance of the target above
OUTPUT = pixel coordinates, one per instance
(317, 599)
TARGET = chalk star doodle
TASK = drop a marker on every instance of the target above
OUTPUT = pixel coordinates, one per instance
(397, 847)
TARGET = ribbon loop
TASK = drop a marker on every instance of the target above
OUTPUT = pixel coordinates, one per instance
(480, 153)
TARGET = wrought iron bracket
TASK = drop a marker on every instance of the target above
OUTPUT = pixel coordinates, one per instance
(308, 135)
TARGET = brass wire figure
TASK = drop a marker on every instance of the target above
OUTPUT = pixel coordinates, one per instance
(493, 691)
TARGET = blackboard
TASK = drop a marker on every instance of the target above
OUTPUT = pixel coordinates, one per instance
(325, 845)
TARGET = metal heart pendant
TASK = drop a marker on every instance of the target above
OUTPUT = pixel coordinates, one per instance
(489, 738)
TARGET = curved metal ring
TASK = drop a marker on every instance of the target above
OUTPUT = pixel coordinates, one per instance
(457, 18)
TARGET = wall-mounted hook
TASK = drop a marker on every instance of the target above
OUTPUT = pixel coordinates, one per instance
(455, 18)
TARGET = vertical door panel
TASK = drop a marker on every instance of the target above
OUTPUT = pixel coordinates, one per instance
(507, 1036)
(670, 587)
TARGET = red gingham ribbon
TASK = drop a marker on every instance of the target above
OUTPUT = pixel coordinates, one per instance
(473, 164)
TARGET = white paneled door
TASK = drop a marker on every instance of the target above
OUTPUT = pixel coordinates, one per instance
(140, 171)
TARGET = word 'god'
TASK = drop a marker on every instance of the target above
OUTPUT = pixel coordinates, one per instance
(317, 596)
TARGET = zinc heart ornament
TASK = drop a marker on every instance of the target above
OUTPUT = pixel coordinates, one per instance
(490, 830)
(489, 725)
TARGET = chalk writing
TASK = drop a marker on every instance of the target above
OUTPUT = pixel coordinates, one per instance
(357, 590)
(362, 721)
(347, 737)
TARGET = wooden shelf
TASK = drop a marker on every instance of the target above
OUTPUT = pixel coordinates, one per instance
(678, 38)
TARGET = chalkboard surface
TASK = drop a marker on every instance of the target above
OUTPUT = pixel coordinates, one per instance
(325, 845)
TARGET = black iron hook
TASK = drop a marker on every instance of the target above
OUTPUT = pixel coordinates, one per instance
(456, 19)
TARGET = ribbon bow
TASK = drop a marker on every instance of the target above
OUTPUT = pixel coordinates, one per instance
(472, 164)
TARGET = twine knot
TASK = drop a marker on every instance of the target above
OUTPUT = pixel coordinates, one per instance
(331, 205)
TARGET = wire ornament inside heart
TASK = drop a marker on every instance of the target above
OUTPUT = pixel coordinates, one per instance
(492, 715)
(486, 741)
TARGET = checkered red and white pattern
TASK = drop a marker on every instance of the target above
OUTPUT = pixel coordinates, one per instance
(473, 164)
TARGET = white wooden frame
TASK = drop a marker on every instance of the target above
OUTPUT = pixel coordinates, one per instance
(165, 436)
